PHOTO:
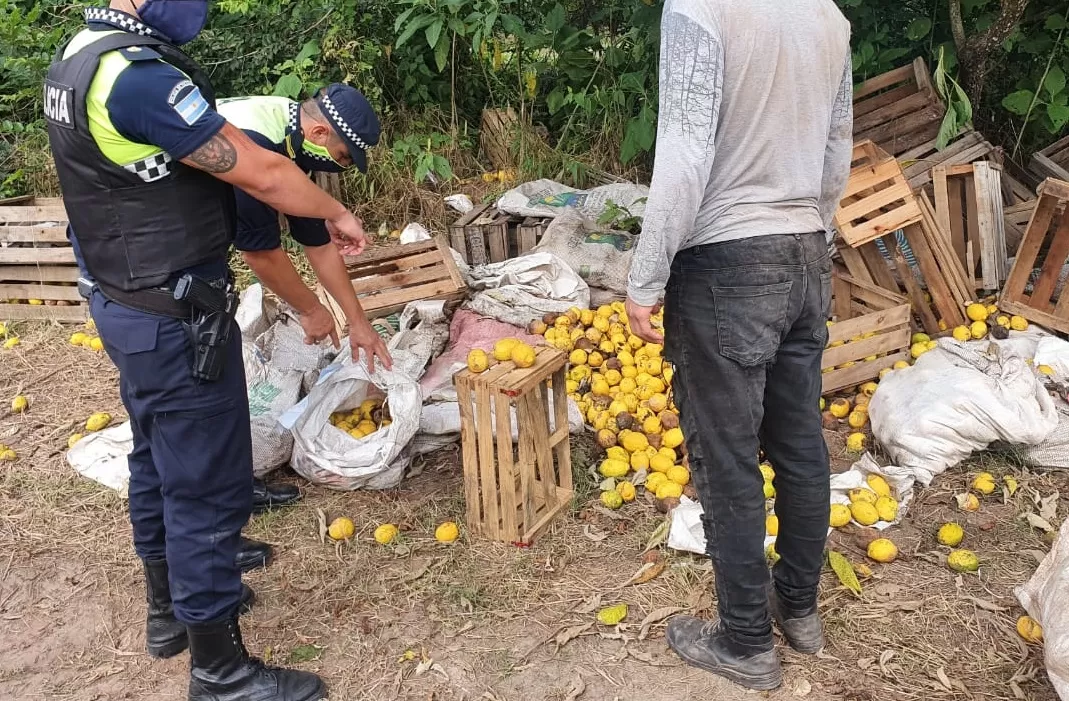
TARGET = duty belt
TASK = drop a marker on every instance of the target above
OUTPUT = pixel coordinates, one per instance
(153, 300)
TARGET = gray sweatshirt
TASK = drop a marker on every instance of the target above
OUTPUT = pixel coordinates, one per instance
(755, 126)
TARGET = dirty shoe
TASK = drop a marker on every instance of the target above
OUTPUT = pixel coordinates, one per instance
(708, 645)
(804, 633)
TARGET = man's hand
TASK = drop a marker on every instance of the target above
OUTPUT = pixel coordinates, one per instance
(347, 233)
(318, 324)
(641, 326)
(362, 337)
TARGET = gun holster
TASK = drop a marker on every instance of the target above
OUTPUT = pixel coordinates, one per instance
(210, 323)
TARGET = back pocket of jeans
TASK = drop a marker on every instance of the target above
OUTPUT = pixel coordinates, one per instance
(750, 321)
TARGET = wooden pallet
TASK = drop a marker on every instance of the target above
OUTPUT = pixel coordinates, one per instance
(898, 110)
(486, 235)
(1052, 162)
(853, 298)
(884, 339)
(37, 263)
(950, 288)
(866, 264)
(513, 494)
(877, 200)
(1045, 248)
(1016, 220)
(918, 162)
(968, 206)
(387, 279)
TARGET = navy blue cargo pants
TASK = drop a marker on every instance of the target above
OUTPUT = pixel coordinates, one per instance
(745, 325)
(191, 466)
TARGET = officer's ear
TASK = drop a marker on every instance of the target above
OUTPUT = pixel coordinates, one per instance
(318, 133)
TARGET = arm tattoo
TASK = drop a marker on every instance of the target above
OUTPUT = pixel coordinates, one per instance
(216, 156)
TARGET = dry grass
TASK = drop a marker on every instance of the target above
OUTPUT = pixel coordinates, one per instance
(487, 614)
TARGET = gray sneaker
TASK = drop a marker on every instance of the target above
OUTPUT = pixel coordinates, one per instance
(804, 633)
(708, 645)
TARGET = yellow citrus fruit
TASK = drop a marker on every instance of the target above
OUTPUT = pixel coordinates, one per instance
(447, 532)
(356, 433)
(968, 502)
(634, 442)
(840, 515)
(920, 338)
(900, 365)
(651, 425)
(612, 499)
(640, 461)
(1003, 320)
(626, 490)
(385, 534)
(503, 348)
(19, 404)
(887, 508)
(97, 422)
(96, 344)
(673, 438)
(992, 309)
(855, 443)
(866, 495)
(8, 455)
(962, 333)
(771, 555)
(367, 427)
(858, 419)
(950, 534)
(679, 474)
(984, 483)
(976, 312)
(840, 408)
(614, 468)
(864, 513)
(1011, 484)
(772, 524)
(577, 357)
(655, 480)
(74, 438)
(341, 528)
(882, 550)
(523, 355)
(612, 615)
(669, 489)
(769, 490)
(613, 377)
(659, 463)
(978, 330)
(766, 471)
(918, 349)
(1018, 323)
(1029, 629)
(869, 388)
(669, 453)
(1046, 370)
(478, 360)
(11, 343)
(78, 338)
(878, 485)
(617, 453)
(963, 561)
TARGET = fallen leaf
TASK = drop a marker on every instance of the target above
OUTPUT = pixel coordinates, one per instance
(1037, 521)
(577, 689)
(322, 518)
(986, 605)
(844, 571)
(943, 679)
(590, 605)
(659, 536)
(1048, 507)
(656, 616)
(802, 688)
(887, 589)
(429, 665)
(1017, 692)
(647, 573)
(885, 657)
(569, 634)
(653, 556)
(640, 655)
(421, 568)
(609, 513)
(594, 534)
(866, 662)
(305, 653)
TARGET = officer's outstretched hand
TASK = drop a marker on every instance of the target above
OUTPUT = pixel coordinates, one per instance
(347, 233)
(317, 325)
(363, 338)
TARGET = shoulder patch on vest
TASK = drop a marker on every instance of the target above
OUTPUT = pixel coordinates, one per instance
(187, 101)
(139, 53)
(59, 104)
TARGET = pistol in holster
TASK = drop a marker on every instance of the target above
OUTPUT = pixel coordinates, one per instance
(213, 312)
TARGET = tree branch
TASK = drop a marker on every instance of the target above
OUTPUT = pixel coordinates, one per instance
(957, 27)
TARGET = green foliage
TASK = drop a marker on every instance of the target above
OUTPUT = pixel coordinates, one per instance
(620, 218)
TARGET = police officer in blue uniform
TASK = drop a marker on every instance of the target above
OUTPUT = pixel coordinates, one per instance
(328, 133)
(148, 169)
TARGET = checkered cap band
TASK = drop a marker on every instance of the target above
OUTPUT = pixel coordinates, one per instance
(152, 168)
(295, 126)
(120, 20)
(343, 127)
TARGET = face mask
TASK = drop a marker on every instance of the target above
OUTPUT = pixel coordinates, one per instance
(178, 20)
(317, 158)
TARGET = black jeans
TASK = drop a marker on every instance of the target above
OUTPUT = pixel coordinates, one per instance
(745, 330)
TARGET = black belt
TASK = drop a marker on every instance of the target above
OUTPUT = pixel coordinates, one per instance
(153, 300)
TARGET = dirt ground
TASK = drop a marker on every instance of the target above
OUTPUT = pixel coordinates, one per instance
(475, 620)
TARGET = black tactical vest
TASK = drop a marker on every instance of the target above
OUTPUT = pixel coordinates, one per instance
(135, 229)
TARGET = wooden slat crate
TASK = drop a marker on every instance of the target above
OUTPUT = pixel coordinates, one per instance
(1016, 219)
(486, 235)
(1035, 286)
(918, 162)
(1052, 162)
(968, 206)
(853, 298)
(884, 339)
(387, 279)
(898, 110)
(513, 493)
(948, 285)
(877, 200)
(37, 263)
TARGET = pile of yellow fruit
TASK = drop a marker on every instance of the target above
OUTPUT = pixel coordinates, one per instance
(987, 319)
(868, 505)
(88, 338)
(855, 411)
(364, 420)
(505, 350)
(855, 339)
(622, 386)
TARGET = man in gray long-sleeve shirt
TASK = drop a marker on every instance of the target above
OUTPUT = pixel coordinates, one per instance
(753, 152)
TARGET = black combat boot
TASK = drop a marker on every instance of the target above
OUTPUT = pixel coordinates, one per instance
(265, 498)
(710, 646)
(223, 670)
(252, 554)
(802, 629)
(165, 636)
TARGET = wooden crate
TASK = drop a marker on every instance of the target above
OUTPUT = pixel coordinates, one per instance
(486, 235)
(898, 110)
(37, 262)
(948, 285)
(888, 339)
(387, 279)
(877, 200)
(968, 206)
(1052, 162)
(513, 493)
(1034, 288)
(918, 162)
(853, 298)
(1016, 220)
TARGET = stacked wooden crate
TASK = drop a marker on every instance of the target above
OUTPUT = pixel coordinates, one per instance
(488, 235)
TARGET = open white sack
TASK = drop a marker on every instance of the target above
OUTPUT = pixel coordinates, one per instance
(519, 290)
(1044, 597)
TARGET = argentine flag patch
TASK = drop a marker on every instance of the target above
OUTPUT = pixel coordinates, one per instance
(187, 101)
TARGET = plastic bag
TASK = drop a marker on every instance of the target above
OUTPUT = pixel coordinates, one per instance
(327, 456)
(1044, 599)
(958, 399)
(102, 457)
